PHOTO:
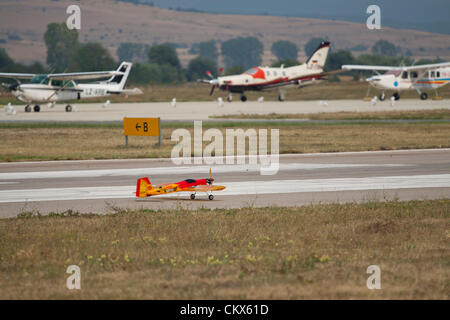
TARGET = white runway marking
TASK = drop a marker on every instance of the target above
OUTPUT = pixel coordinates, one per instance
(239, 188)
(177, 170)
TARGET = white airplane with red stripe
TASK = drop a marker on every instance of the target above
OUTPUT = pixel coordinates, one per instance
(264, 78)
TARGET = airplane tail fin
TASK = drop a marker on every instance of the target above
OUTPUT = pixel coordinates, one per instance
(142, 186)
(319, 57)
(125, 68)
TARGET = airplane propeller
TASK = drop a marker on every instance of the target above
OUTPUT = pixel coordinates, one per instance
(211, 179)
(12, 87)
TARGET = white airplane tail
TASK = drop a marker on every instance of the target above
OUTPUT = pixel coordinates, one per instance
(120, 80)
(319, 57)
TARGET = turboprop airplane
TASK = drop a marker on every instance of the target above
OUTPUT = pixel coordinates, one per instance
(51, 88)
(264, 78)
(145, 189)
(427, 76)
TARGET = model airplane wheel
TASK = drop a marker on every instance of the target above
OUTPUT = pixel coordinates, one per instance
(423, 96)
(192, 196)
(27, 108)
(68, 108)
(396, 96)
(37, 108)
(382, 97)
(211, 197)
(243, 98)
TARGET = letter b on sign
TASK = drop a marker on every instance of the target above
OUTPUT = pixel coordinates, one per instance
(374, 21)
(74, 280)
(374, 281)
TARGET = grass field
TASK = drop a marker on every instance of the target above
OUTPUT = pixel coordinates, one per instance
(313, 252)
(346, 89)
(437, 114)
(41, 141)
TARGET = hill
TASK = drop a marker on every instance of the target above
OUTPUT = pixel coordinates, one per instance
(23, 24)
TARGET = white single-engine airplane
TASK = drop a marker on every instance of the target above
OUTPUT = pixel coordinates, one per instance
(427, 76)
(264, 78)
(51, 88)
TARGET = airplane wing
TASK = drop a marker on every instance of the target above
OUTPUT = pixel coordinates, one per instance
(427, 66)
(16, 75)
(204, 188)
(370, 68)
(84, 75)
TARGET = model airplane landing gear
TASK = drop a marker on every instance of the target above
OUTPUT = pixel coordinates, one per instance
(423, 96)
(281, 96)
(37, 108)
(230, 97)
(396, 96)
(243, 98)
(211, 197)
(68, 108)
(382, 97)
(27, 108)
(192, 196)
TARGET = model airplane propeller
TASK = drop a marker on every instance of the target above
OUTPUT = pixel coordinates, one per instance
(145, 189)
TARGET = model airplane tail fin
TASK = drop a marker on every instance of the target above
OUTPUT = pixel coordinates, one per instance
(319, 57)
(143, 184)
(125, 68)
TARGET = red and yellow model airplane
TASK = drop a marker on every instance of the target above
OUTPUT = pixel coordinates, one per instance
(145, 189)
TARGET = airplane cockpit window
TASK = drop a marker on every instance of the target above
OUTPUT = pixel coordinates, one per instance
(40, 78)
(251, 71)
(405, 75)
(57, 83)
(438, 74)
(189, 180)
(432, 74)
(413, 74)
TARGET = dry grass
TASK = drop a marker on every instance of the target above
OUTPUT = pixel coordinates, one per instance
(437, 114)
(68, 142)
(317, 251)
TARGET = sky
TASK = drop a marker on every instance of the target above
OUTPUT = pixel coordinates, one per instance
(426, 15)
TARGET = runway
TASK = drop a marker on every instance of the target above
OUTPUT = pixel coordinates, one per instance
(101, 186)
(203, 110)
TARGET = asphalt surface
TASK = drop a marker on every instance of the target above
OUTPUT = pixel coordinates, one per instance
(202, 110)
(101, 186)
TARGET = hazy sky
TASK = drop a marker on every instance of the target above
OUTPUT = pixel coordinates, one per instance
(414, 14)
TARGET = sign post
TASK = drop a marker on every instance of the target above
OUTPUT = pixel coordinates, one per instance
(142, 127)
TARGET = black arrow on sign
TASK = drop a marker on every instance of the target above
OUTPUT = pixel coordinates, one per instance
(137, 126)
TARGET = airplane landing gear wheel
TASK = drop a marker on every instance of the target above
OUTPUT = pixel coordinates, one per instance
(280, 98)
(210, 197)
(27, 108)
(37, 108)
(230, 97)
(396, 96)
(192, 196)
(423, 96)
(382, 97)
(68, 108)
(243, 98)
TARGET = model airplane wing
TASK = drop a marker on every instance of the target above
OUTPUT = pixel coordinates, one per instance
(204, 188)
(427, 66)
(16, 75)
(84, 75)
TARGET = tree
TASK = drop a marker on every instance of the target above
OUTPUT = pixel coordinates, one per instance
(208, 50)
(284, 50)
(312, 45)
(245, 52)
(336, 60)
(164, 54)
(234, 70)
(129, 51)
(385, 48)
(145, 73)
(61, 44)
(5, 60)
(91, 57)
(197, 68)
